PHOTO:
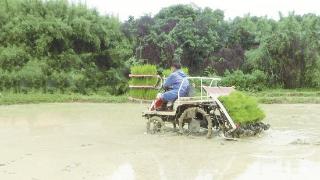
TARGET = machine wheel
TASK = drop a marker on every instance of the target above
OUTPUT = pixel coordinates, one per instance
(190, 114)
(155, 124)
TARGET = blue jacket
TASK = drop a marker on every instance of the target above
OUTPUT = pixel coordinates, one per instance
(173, 83)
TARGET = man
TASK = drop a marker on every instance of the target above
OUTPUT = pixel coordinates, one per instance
(172, 86)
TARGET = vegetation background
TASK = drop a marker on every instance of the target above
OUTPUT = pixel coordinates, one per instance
(57, 47)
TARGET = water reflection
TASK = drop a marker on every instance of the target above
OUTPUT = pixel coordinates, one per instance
(296, 169)
(125, 171)
(203, 175)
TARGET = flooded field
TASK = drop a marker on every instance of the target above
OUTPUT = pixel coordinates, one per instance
(108, 141)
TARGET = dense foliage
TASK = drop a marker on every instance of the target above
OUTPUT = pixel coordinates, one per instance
(242, 108)
(255, 81)
(52, 45)
(57, 46)
(252, 52)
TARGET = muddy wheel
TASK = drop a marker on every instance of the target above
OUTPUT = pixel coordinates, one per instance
(190, 114)
(155, 124)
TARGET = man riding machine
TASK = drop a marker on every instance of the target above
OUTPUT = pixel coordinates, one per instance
(176, 83)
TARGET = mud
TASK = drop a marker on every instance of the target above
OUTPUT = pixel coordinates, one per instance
(108, 141)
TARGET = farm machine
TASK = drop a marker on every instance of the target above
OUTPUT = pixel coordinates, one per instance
(201, 110)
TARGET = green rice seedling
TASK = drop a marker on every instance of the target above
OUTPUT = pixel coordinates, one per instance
(243, 109)
(136, 93)
(146, 69)
(143, 81)
(185, 70)
(150, 94)
(167, 72)
(147, 94)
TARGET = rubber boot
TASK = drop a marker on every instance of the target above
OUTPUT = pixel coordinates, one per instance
(157, 104)
(163, 106)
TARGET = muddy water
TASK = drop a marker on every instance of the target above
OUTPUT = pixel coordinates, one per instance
(107, 141)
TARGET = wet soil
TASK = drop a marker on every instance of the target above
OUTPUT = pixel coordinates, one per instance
(108, 141)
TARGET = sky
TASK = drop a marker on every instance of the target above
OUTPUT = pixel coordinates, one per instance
(232, 8)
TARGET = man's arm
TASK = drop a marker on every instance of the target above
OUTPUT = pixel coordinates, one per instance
(169, 81)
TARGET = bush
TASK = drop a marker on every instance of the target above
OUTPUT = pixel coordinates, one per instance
(256, 81)
(31, 76)
(58, 81)
(117, 82)
(243, 109)
(78, 82)
(5, 80)
(12, 58)
(118, 89)
(55, 45)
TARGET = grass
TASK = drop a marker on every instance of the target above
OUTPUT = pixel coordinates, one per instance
(287, 96)
(7, 98)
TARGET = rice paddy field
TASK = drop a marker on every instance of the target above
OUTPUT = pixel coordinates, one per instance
(100, 141)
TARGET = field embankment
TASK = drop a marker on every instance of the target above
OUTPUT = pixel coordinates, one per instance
(274, 96)
(286, 96)
(34, 98)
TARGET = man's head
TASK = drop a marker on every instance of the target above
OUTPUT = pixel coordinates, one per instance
(175, 66)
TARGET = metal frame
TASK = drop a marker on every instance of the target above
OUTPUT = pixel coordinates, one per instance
(201, 97)
(214, 99)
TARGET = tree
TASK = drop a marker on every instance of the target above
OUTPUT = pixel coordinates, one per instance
(290, 55)
(66, 40)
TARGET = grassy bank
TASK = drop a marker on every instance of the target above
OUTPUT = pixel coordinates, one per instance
(271, 96)
(13, 98)
(286, 96)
